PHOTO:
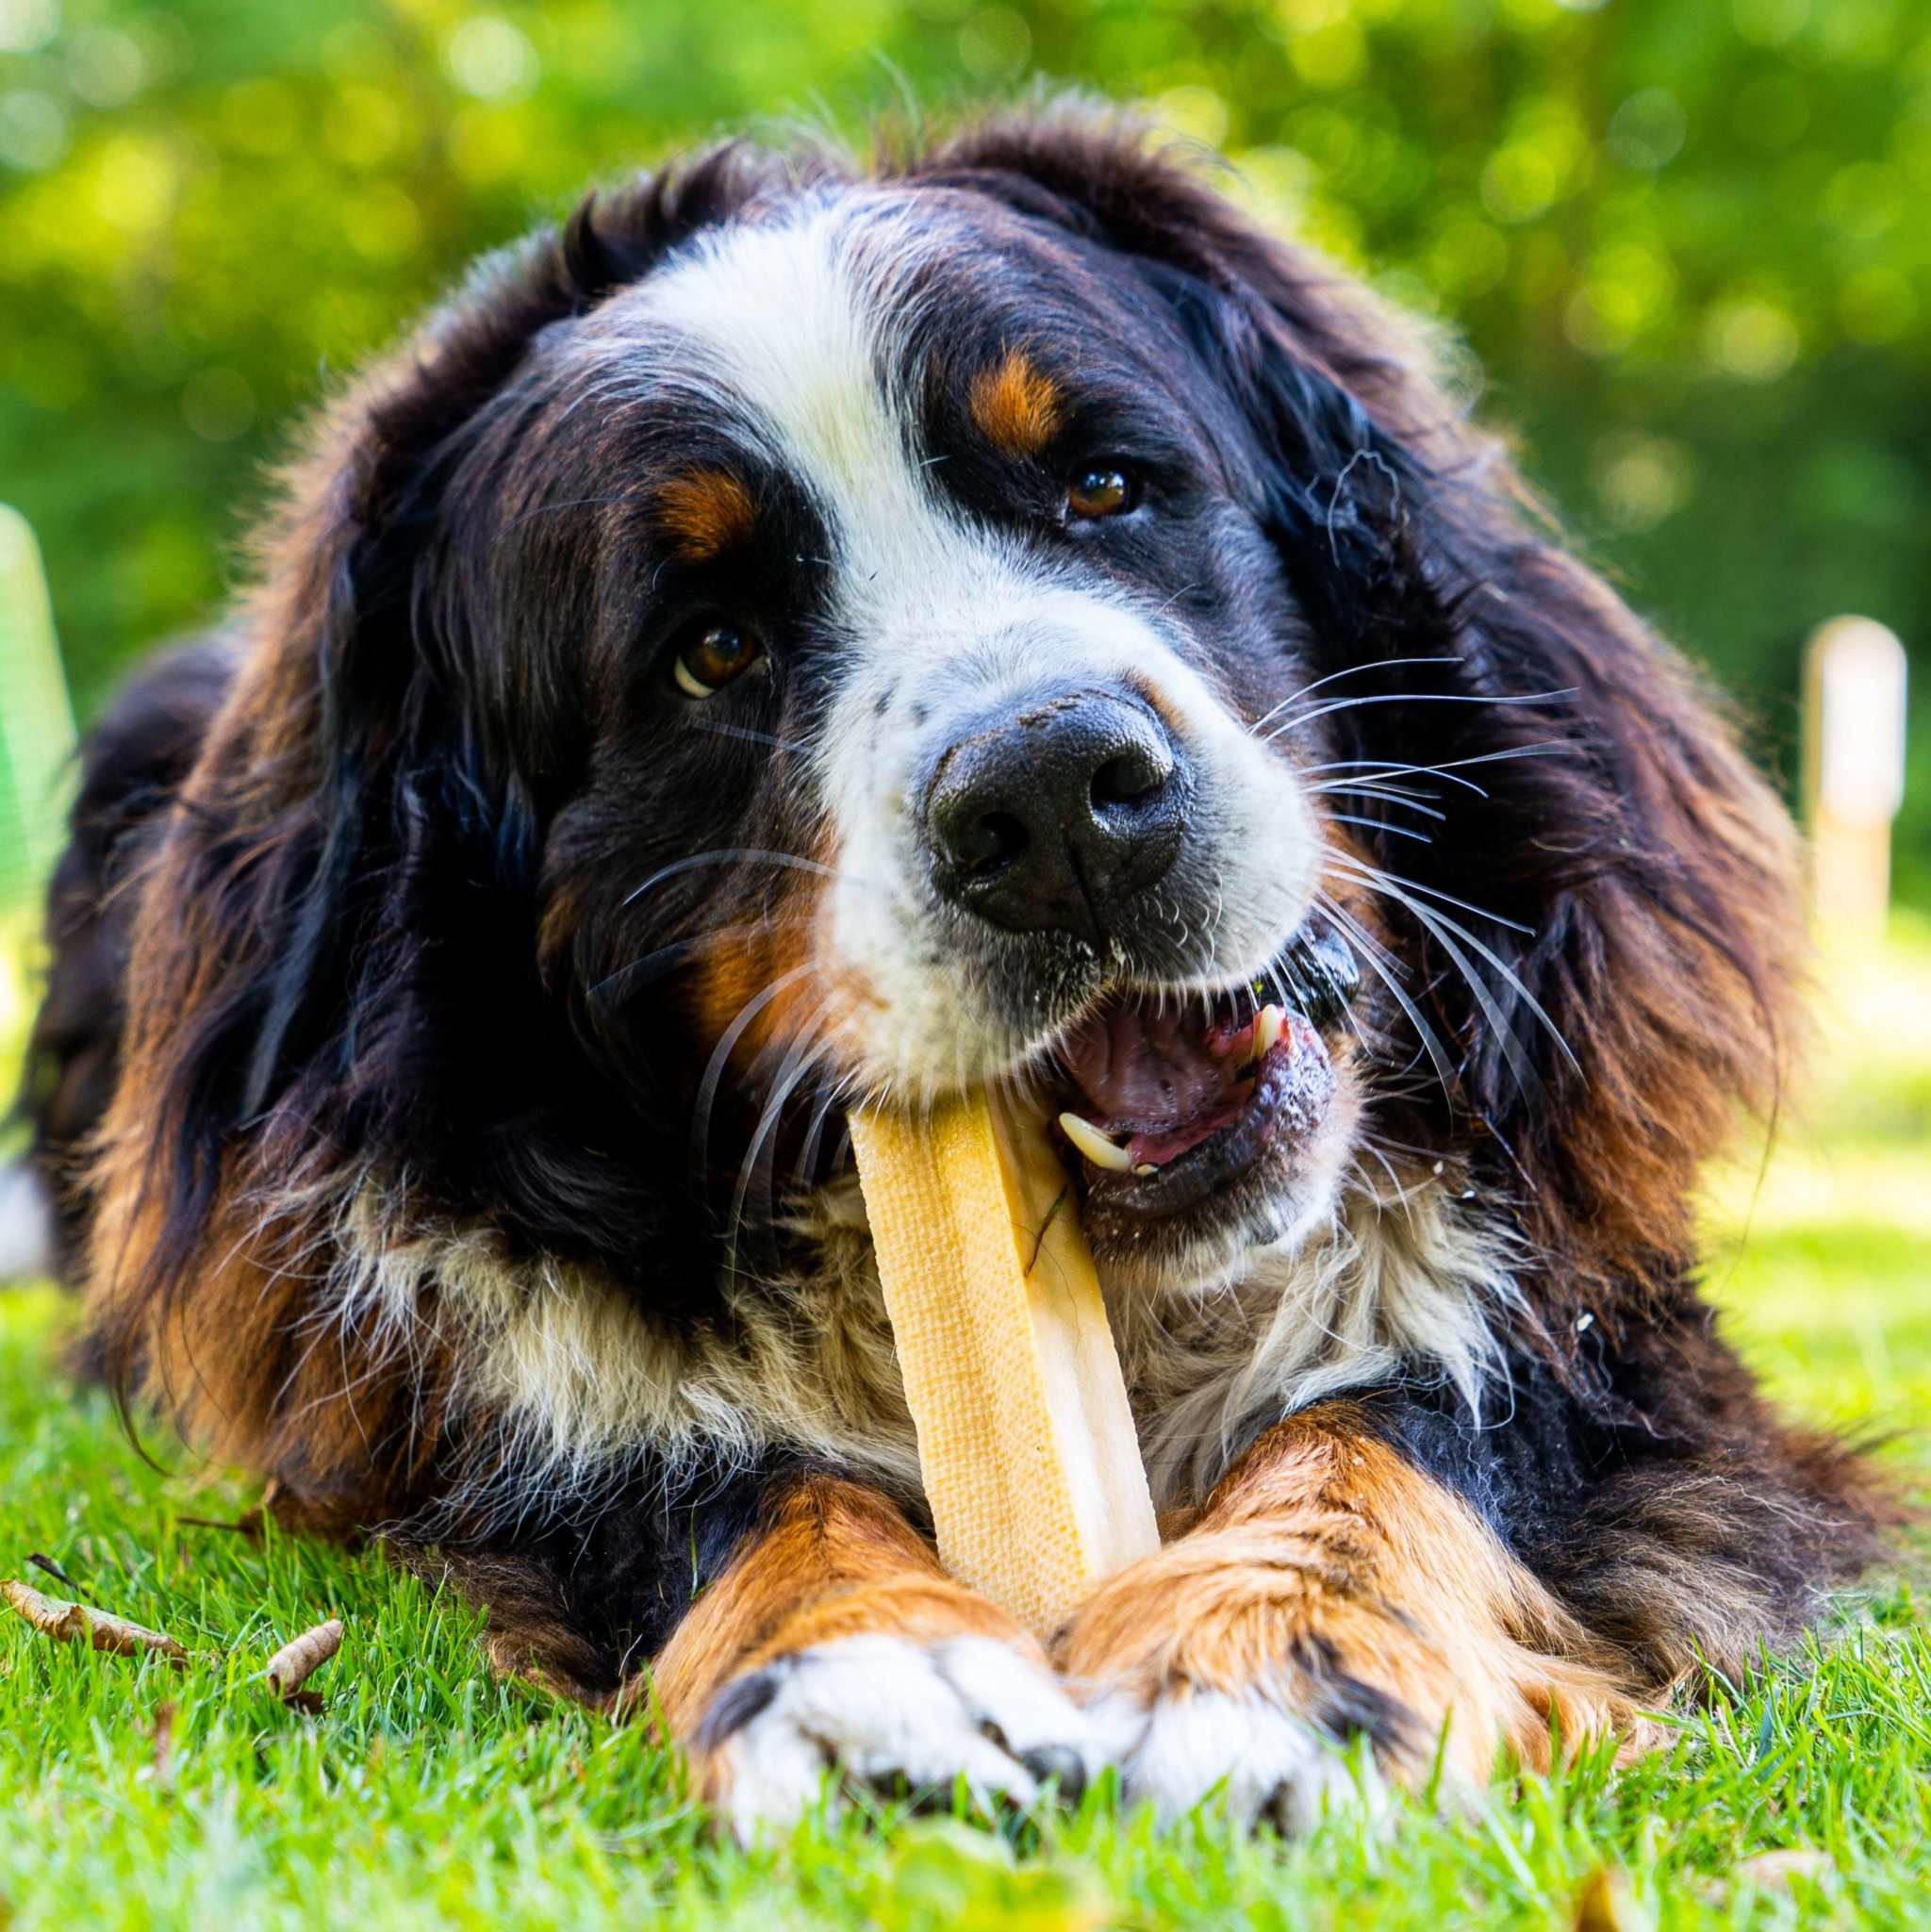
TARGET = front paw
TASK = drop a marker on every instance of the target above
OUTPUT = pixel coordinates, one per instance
(889, 1711)
(1259, 1667)
(1269, 1761)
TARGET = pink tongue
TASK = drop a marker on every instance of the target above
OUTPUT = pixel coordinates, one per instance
(1154, 1076)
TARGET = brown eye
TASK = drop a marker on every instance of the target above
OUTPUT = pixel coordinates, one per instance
(1100, 491)
(713, 659)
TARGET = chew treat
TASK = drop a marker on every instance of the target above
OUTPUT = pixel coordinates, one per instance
(1026, 1442)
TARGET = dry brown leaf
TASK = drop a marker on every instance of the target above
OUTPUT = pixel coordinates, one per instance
(1776, 1870)
(296, 1662)
(1605, 1903)
(75, 1623)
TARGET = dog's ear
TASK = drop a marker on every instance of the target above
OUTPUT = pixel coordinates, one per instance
(400, 777)
(336, 944)
(1635, 988)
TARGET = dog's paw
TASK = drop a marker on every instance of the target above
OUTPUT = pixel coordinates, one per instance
(887, 1711)
(1269, 1765)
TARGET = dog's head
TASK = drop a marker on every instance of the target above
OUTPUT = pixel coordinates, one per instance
(955, 686)
(805, 637)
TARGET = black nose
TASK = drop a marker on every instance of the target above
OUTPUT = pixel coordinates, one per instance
(1047, 818)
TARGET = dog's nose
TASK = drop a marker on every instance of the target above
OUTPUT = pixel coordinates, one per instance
(1051, 817)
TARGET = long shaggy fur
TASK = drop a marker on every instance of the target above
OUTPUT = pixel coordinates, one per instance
(368, 1107)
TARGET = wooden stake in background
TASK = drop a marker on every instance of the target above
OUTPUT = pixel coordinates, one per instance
(1854, 770)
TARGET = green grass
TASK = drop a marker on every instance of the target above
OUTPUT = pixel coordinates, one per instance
(429, 1794)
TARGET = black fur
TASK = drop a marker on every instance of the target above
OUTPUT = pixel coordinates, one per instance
(442, 915)
(132, 764)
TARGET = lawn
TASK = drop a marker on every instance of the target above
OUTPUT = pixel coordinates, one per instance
(425, 1793)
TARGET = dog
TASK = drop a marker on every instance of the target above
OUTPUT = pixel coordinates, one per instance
(811, 634)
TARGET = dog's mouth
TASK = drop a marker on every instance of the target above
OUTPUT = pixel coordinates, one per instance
(1173, 1098)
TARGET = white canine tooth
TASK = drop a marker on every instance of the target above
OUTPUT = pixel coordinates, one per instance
(1094, 1145)
(1268, 1029)
(1144, 1168)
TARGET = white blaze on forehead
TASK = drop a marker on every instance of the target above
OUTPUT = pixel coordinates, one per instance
(798, 324)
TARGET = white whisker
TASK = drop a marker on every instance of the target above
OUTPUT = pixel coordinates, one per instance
(1416, 698)
(720, 1056)
(1380, 825)
(1333, 676)
(1375, 876)
(726, 855)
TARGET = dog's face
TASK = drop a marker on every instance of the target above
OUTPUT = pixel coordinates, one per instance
(942, 680)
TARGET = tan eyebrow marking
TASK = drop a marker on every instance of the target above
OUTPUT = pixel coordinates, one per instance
(705, 512)
(1015, 405)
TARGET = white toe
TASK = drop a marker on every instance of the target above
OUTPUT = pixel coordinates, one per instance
(882, 1709)
(775, 1773)
(1038, 1723)
(1272, 1765)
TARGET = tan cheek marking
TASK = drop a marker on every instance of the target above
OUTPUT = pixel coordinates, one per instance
(789, 935)
(555, 931)
(1015, 408)
(705, 514)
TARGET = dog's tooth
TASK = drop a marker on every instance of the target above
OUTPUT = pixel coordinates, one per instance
(1094, 1145)
(1144, 1168)
(1267, 1030)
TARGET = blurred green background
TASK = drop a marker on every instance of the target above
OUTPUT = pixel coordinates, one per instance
(1686, 239)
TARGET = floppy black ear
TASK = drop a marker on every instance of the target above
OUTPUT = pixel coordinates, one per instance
(337, 956)
(1602, 927)
(397, 776)
(318, 801)
(1633, 985)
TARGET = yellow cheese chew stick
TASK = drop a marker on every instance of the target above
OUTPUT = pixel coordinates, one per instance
(1026, 1442)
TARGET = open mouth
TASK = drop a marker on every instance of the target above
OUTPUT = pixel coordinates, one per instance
(1172, 1099)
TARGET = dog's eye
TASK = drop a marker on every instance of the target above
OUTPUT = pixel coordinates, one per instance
(713, 658)
(1101, 491)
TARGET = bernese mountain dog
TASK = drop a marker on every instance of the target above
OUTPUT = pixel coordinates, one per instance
(809, 634)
